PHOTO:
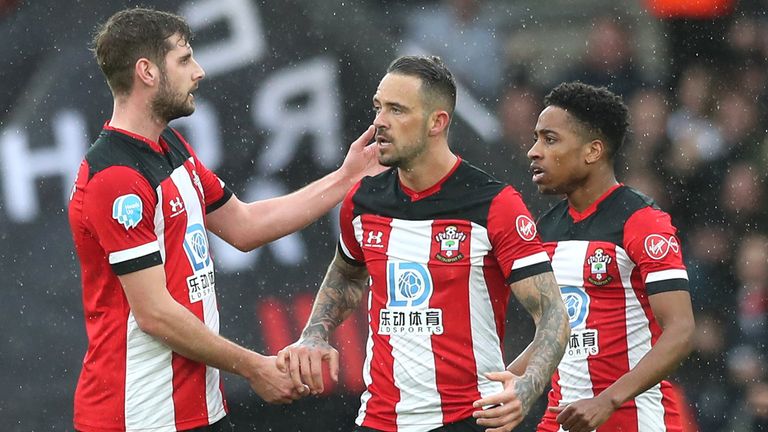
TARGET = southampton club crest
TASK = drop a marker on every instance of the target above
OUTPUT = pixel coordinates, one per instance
(598, 267)
(450, 241)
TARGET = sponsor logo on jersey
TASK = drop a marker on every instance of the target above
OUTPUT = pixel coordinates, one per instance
(177, 206)
(127, 210)
(598, 267)
(576, 304)
(450, 241)
(373, 239)
(657, 246)
(583, 342)
(202, 283)
(196, 246)
(526, 228)
(409, 288)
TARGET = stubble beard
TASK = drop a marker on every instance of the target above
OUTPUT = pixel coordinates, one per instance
(167, 105)
(404, 160)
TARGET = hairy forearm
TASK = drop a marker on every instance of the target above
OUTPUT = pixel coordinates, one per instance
(549, 342)
(339, 294)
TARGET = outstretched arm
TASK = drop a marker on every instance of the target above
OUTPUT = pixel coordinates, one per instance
(160, 316)
(674, 313)
(339, 295)
(540, 296)
(247, 226)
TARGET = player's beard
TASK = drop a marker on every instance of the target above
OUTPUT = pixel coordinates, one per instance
(168, 105)
(402, 156)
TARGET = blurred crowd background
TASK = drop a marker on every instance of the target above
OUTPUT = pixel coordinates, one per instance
(693, 73)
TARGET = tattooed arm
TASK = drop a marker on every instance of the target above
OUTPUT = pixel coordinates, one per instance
(526, 377)
(339, 295)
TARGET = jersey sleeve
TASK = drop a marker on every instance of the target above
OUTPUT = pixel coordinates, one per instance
(515, 241)
(349, 246)
(652, 244)
(216, 192)
(119, 210)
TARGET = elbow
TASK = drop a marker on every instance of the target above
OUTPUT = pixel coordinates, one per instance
(681, 337)
(247, 245)
(149, 322)
(686, 337)
(243, 247)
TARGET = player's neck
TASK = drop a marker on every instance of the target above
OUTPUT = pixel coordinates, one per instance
(591, 190)
(134, 115)
(429, 169)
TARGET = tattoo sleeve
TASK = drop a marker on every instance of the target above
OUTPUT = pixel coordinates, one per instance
(540, 296)
(339, 294)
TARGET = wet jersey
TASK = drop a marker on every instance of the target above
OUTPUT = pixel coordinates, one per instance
(440, 263)
(136, 204)
(607, 261)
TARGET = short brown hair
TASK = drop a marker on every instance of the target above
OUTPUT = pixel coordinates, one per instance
(436, 80)
(132, 34)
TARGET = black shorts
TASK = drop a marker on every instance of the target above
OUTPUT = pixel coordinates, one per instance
(222, 425)
(466, 425)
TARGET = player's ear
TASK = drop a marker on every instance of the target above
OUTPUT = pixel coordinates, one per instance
(596, 150)
(146, 72)
(439, 121)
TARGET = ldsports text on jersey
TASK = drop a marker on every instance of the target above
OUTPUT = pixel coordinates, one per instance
(607, 261)
(440, 263)
(137, 204)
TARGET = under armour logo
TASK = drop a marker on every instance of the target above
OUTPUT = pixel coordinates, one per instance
(374, 237)
(177, 206)
(526, 228)
(658, 246)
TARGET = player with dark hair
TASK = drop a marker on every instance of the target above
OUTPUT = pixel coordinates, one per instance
(441, 245)
(617, 259)
(140, 212)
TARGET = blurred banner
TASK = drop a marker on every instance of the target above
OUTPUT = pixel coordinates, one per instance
(288, 86)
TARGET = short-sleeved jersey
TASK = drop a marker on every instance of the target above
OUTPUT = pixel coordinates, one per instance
(137, 204)
(440, 262)
(607, 261)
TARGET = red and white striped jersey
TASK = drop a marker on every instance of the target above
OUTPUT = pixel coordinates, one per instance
(607, 261)
(137, 204)
(440, 263)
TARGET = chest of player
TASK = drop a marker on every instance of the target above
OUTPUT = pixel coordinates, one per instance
(180, 225)
(601, 267)
(448, 243)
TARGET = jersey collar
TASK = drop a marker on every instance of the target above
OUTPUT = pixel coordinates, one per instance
(580, 216)
(415, 196)
(157, 147)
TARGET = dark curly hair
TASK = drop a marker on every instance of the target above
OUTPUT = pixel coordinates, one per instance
(597, 109)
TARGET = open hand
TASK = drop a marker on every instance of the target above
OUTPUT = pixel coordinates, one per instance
(362, 159)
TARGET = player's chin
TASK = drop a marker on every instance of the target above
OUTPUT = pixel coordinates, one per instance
(546, 189)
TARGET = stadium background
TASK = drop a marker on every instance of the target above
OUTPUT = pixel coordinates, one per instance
(289, 85)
